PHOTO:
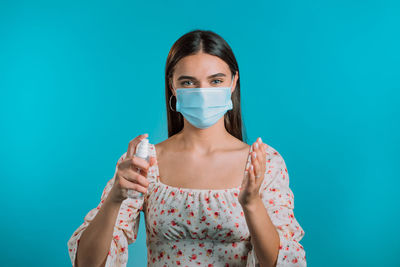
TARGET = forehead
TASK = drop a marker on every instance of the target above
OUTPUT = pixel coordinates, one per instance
(200, 65)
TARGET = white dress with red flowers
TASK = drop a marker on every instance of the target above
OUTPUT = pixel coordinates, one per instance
(202, 227)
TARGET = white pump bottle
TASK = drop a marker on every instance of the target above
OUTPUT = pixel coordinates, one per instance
(142, 151)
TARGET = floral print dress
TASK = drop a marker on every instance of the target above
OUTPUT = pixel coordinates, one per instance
(201, 227)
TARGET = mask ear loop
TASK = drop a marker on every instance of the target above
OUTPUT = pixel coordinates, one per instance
(233, 77)
(170, 106)
(170, 103)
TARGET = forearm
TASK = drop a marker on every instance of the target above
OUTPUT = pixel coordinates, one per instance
(95, 241)
(264, 235)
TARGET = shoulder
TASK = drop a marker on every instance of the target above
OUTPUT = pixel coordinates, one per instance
(273, 156)
(276, 170)
(238, 145)
(167, 144)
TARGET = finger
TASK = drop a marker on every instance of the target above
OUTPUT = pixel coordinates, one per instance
(257, 158)
(259, 150)
(252, 179)
(136, 178)
(265, 146)
(151, 162)
(137, 187)
(256, 165)
(245, 180)
(263, 157)
(133, 143)
(137, 162)
(261, 154)
(264, 153)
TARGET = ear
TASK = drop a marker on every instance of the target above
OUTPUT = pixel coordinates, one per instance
(234, 81)
(171, 88)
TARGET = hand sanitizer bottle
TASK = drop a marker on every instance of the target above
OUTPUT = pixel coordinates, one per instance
(142, 151)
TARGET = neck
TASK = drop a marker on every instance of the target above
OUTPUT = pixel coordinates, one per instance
(204, 140)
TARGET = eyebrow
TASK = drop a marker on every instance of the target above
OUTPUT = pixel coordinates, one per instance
(193, 78)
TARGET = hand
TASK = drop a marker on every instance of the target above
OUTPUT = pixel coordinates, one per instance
(127, 175)
(254, 174)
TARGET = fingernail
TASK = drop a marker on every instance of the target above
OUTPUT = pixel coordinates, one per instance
(260, 140)
(256, 145)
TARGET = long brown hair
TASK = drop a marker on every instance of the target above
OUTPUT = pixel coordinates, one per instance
(210, 43)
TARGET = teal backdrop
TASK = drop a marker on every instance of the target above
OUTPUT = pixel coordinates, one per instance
(320, 83)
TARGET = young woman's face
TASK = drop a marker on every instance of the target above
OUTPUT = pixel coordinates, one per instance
(202, 70)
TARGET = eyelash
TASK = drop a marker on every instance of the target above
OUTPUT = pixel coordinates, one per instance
(183, 83)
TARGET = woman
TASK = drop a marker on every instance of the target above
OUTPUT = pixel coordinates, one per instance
(210, 199)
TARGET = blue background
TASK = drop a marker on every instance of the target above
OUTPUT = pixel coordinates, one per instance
(320, 83)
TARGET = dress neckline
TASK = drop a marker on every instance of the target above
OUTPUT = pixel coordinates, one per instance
(157, 174)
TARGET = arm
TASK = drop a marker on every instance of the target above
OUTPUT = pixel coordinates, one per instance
(279, 245)
(264, 236)
(109, 229)
(95, 241)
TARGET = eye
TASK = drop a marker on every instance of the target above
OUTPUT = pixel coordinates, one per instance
(220, 81)
(185, 82)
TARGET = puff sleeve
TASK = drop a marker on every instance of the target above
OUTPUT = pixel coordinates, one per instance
(125, 229)
(278, 199)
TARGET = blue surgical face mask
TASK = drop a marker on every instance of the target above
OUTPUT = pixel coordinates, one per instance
(203, 107)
